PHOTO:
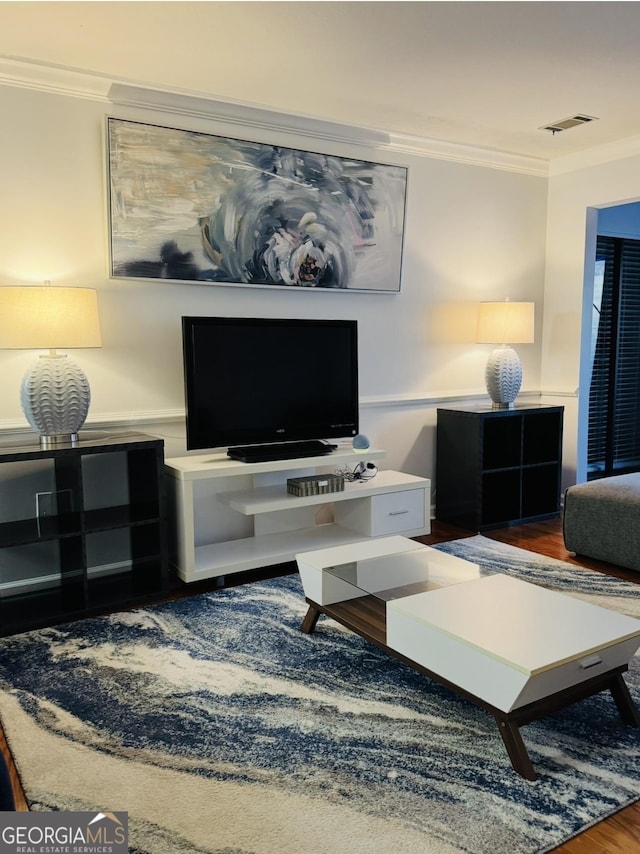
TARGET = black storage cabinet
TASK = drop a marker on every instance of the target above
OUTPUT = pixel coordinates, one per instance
(498, 467)
(82, 529)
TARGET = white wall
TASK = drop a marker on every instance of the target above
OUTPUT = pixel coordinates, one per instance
(472, 232)
(574, 198)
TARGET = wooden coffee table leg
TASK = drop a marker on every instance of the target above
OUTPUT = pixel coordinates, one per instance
(310, 620)
(623, 701)
(512, 739)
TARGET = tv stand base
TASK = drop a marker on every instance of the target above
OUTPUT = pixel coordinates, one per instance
(230, 516)
(280, 451)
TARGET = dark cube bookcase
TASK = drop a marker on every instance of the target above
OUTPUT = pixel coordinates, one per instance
(497, 467)
(82, 528)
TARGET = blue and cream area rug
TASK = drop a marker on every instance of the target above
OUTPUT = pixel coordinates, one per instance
(220, 727)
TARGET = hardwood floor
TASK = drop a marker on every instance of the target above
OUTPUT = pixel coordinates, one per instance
(619, 834)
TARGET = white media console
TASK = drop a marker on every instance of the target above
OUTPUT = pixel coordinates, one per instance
(232, 516)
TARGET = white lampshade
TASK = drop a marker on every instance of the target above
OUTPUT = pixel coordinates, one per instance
(48, 318)
(55, 393)
(504, 323)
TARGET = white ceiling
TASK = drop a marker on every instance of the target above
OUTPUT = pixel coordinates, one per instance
(481, 73)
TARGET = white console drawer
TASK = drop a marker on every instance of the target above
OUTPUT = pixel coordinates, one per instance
(388, 513)
(397, 511)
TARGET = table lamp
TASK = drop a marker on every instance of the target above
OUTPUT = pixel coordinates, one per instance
(504, 323)
(55, 392)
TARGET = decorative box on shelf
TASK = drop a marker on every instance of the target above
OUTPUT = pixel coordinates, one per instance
(315, 484)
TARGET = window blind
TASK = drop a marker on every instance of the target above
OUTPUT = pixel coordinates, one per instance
(614, 394)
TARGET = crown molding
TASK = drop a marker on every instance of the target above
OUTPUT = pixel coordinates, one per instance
(61, 80)
(596, 156)
(72, 82)
(471, 154)
(191, 104)
(233, 112)
(58, 80)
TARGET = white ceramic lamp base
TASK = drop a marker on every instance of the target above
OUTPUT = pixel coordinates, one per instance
(503, 377)
(55, 397)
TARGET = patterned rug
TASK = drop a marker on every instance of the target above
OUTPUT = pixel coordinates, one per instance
(220, 727)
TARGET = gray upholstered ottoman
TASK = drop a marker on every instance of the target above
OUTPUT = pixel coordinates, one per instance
(602, 520)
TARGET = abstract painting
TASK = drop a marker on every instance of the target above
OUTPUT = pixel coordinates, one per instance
(194, 207)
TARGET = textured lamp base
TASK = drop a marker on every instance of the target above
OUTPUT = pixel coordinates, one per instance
(503, 377)
(55, 399)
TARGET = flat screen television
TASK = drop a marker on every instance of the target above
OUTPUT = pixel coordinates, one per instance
(267, 383)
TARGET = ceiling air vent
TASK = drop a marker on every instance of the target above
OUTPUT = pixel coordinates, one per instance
(571, 122)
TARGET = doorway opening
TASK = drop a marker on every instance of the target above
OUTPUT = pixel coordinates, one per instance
(614, 389)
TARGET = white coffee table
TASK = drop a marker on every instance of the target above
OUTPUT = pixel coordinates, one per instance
(516, 649)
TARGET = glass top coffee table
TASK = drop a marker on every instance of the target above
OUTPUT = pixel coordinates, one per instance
(516, 649)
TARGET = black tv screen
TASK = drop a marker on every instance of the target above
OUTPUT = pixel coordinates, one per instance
(262, 380)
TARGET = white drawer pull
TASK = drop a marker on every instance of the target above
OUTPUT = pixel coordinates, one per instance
(397, 512)
(590, 661)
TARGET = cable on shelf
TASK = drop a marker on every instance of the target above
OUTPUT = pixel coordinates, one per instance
(362, 471)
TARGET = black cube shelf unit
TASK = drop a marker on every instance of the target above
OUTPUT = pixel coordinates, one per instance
(82, 528)
(498, 467)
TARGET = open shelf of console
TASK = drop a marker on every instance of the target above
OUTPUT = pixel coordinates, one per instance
(269, 499)
(231, 516)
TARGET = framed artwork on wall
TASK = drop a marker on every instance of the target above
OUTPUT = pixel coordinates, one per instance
(193, 207)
